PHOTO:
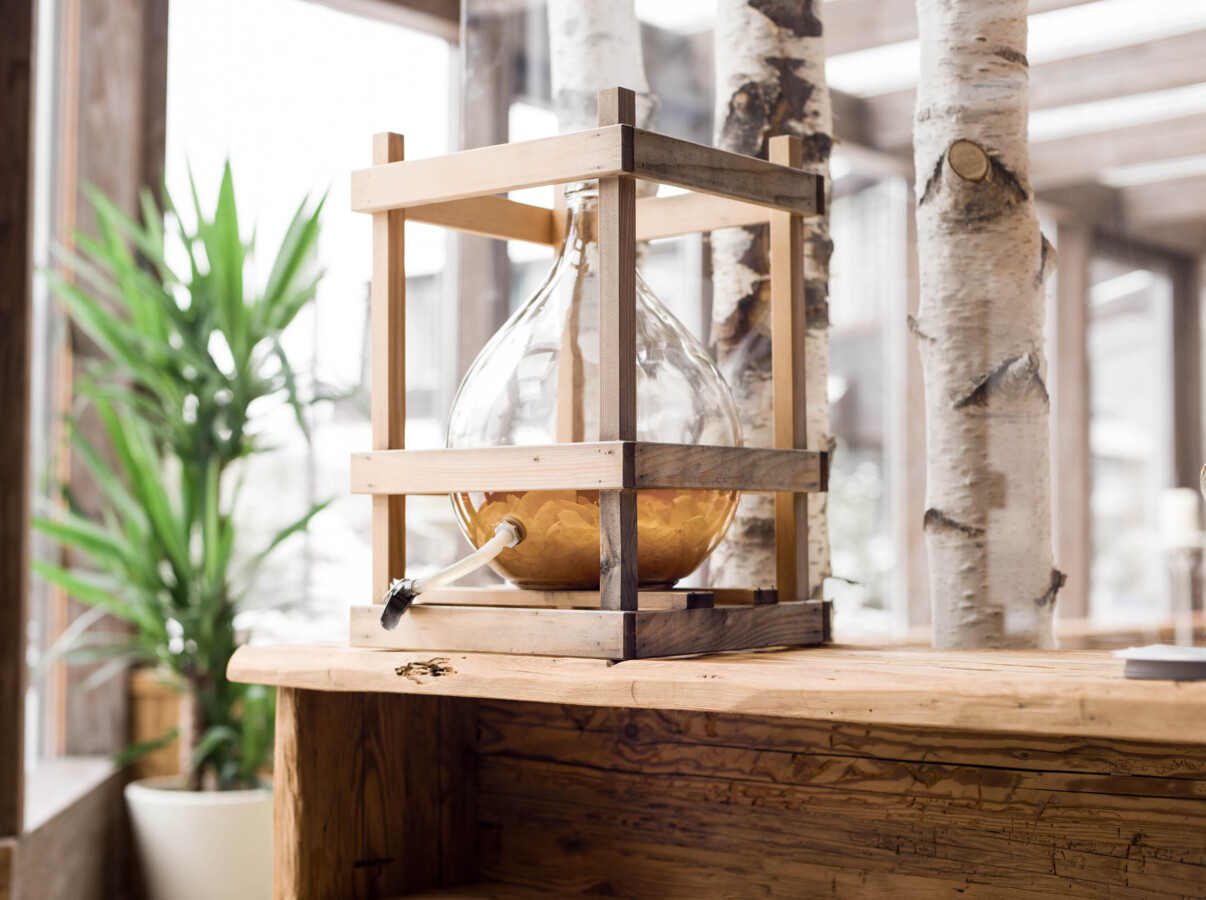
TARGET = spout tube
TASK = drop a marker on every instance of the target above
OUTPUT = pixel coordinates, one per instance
(403, 591)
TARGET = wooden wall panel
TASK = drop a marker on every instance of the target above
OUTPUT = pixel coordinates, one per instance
(112, 132)
(8, 854)
(16, 266)
(682, 805)
(82, 853)
(154, 711)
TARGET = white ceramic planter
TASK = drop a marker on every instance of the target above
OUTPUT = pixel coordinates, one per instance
(201, 845)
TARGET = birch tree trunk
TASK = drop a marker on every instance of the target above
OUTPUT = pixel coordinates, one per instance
(983, 265)
(594, 45)
(770, 80)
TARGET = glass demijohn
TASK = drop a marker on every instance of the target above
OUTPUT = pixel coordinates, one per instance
(537, 382)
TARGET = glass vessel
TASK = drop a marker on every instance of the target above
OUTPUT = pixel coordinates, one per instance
(537, 382)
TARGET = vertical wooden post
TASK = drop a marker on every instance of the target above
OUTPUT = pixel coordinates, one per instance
(388, 326)
(16, 268)
(375, 794)
(788, 379)
(617, 362)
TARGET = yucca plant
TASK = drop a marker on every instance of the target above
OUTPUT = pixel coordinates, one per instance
(189, 357)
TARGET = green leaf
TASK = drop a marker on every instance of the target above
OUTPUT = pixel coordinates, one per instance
(215, 736)
(84, 589)
(134, 751)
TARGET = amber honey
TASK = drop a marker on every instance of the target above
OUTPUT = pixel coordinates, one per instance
(676, 530)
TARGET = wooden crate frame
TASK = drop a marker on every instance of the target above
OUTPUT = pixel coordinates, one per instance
(461, 191)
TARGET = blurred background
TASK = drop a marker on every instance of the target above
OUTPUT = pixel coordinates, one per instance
(290, 91)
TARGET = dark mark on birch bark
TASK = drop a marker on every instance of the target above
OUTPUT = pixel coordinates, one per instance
(796, 17)
(933, 179)
(915, 327)
(1012, 381)
(1011, 55)
(1048, 262)
(1058, 579)
(937, 522)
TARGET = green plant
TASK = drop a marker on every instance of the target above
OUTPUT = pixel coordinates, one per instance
(187, 358)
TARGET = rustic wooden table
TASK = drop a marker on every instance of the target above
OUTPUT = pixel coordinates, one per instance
(833, 772)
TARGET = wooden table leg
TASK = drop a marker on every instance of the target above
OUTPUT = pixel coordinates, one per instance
(373, 795)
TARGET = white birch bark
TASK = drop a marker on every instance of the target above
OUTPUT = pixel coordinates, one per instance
(595, 45)
(770, 80)
(983, 265)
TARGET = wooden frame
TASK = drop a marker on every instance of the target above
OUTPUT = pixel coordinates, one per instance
(461, 191)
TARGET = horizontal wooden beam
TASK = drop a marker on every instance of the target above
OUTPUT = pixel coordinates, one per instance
(1084, 157)
(798, 623)
(1119, 72)
(439, 17)
(609, 465)
(579, 156)
(681, 598)
(496, 217)
(756, 469)
(596, 466)
(588, 633)
(668, 160)
(657, 217)
(592, 633)
(511, 596)
(1178, 200)
(853, 25)
(660, 217)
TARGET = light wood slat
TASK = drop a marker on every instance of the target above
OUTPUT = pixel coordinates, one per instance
(387, 311)
(591, 634)
(758, 469)
(657, 217)
(1060, 693)
(496, 217)
(509, 596)
(492, 170)
(668, 160)
(660, 217)
(550, 467)
(617, 365)
(607, 465)
(789, 376)
(683, 632)
(594, 633)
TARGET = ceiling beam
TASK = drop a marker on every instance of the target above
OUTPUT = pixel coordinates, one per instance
(852, 25)
(439, 17)
(1161, 202)
(1138, 69)
(1084, 157)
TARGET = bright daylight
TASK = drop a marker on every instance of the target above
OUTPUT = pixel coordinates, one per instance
(646, 449)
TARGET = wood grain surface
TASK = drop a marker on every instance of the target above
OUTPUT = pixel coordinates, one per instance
(1079, 693)
(671, 804)
(373, 795)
